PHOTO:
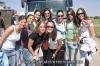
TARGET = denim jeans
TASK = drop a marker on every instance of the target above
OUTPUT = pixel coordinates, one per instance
(27, 57)
(83, 58)
(11, 54)
(3, 59)
(71, 50)
(19, 56)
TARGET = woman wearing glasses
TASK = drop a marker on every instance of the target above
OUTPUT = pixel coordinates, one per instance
(87, 34)
(60, 23)
(55, 50)
(46, 15)
(71, 37)
(61, 26)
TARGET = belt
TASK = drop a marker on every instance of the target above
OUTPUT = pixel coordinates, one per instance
(72, 42)
(52, 50)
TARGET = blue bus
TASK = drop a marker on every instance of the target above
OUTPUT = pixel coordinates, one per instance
(54, 5)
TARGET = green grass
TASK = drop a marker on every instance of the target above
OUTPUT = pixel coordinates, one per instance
(97, 26)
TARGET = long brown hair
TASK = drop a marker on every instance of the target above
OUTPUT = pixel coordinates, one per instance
(74, 16)
(47, 9)
(54, 32)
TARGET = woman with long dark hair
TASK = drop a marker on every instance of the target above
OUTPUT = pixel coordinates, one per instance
(46, 15)
(87, 34)
(72, 37)
(55, 48)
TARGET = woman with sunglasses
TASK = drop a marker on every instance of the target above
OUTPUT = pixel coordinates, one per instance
(46, 15)
(60, 23)
(55, 49)
(87, 34)
(71, 37)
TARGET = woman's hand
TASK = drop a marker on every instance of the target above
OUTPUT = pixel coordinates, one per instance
(54, 55)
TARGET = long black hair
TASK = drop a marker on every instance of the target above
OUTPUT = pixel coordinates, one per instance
(36, 12)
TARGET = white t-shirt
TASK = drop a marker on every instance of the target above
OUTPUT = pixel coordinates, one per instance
(54, 44)
(61, 27)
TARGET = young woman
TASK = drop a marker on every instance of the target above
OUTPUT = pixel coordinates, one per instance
(30, 19)
(9, 38)
(55, 49)
(72, 36)
(60, 23)
(46, 15)
(36, 39)
(87, 34)
(37, 15)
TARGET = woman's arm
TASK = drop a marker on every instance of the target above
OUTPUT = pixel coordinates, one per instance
(30, 43)
(91, 29)
(5, 35)
(59, 41)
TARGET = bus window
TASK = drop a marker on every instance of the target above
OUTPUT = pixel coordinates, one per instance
(54, 5)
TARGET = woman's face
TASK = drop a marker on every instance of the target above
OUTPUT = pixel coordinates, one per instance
(70, 16)
(22, 23)
(42, 28)
(60, 16)
(47, 14)
(37, 15)
(81, 14)
(50, 27)
(30, 19)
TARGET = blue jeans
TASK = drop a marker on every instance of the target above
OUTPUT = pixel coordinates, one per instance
(19, 56)
(83, 58)
(3, 59)
(11, 54)
(27, 57)
(71, 50)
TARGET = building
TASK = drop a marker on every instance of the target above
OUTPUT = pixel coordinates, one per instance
(6, 13)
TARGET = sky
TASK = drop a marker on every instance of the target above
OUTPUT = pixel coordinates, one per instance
(92, 7)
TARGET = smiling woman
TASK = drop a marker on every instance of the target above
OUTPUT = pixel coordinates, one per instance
(9, 38)
(56, 46)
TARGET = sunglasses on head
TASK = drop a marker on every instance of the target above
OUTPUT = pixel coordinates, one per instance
(50, 27)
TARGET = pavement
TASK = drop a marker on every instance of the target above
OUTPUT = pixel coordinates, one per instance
(96, 58)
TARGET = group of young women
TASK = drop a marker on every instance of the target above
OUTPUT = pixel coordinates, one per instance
(40, 40)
